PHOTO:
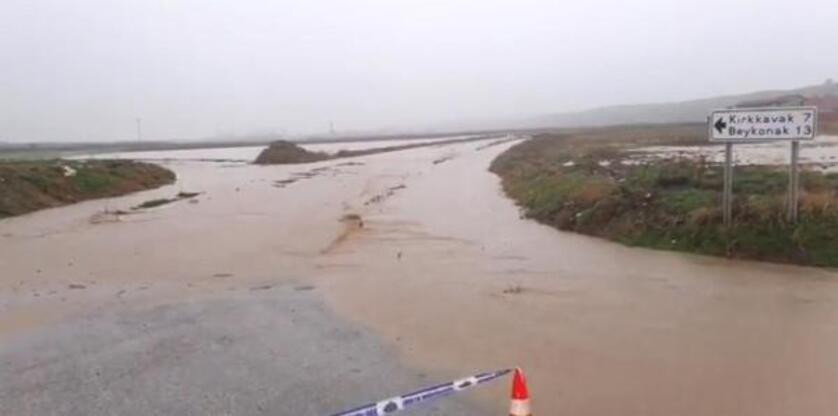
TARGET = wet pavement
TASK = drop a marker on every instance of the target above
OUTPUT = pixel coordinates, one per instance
(276, 352)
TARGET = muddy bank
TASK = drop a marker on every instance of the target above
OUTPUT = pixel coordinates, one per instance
(597, 183)
(282, 152)
(27, 186)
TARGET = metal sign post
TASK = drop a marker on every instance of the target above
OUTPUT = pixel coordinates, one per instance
(727, 194)
(794, 182)
(757, 125)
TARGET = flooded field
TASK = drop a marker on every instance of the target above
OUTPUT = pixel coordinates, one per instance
(421, 249)
(249, 153)
(819, 154)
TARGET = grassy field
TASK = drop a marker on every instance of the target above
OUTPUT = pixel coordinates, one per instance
(27, 186)
(578, 181)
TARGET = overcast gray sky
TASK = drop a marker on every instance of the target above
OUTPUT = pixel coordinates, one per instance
(86, 69)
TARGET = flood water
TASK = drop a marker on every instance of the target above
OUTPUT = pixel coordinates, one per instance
(442, 269)
(819, 154)
(248, 153)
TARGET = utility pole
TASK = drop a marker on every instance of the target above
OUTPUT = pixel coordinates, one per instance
(139, 129)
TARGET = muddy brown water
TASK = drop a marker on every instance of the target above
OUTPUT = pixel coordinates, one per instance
(442, 268)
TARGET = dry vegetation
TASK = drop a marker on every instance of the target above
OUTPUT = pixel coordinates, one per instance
(27, 186)
(576, 181)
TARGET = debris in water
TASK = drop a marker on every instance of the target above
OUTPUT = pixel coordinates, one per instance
(514, 290)
(353, 218)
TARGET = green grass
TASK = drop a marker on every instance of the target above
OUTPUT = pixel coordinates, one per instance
(686, 201)
(94, 181)
(670, 204)
(30, 185)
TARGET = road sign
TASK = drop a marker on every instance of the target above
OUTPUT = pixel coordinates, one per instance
(744, 125)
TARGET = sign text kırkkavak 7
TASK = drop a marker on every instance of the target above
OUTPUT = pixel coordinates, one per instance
(763, 124)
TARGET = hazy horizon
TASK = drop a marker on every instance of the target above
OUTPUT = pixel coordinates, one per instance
(86, 70)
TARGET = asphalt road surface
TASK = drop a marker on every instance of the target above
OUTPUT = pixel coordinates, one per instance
(275, 351)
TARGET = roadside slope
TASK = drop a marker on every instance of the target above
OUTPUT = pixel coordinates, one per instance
(591, 182)
(27, 186)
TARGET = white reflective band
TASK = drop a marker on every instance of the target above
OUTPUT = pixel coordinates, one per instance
(465, 383)
(391, 405)
(520, 408)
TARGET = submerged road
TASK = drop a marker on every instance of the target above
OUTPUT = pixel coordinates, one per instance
(307, 289)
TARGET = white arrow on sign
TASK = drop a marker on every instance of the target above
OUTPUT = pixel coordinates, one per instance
(763, 124)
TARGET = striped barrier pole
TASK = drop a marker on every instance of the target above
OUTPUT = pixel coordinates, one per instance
(395, 404)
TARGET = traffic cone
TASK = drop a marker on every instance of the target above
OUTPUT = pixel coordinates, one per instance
(520, 403)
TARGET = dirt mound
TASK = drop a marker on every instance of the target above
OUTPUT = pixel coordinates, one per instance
(283, 152)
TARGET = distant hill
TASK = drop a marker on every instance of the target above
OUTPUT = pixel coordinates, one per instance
(823, 95)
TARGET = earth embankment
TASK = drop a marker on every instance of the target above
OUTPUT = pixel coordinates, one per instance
(27, 186)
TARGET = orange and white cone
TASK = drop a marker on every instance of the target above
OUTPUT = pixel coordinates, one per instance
(520, 404)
